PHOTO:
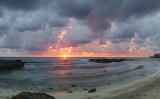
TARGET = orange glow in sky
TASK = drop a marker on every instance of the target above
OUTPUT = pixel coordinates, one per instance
(62, 34)
(64, 56)
(62, 51)
(93, 49)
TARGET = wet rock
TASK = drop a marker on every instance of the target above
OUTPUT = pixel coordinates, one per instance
(18, 60)
(10, 65)
(73, 85)
(29, 95)
(92, 90)
(50, 88)
(106, 60)
(69, 91)
(140, 67)
(108, 83)
(155, 56)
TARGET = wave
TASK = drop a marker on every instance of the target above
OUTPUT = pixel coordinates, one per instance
(101, 75)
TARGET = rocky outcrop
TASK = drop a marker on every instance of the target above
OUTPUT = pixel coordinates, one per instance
(10, 65)
(155, 56)
(106, 60)
(29, 95)
(92, 90)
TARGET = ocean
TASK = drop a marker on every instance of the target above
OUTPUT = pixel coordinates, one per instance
(55, 74)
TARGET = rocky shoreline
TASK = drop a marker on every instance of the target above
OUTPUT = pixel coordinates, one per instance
(29, 95)
(106, 60)
(6, 65)
(155, 56)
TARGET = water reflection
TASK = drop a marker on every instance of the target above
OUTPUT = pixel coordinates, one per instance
(63, 71)
(65, 62)
(64, 83)
(61, 67)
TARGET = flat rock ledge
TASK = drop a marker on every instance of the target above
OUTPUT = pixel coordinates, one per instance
(106, 60)
(6, 65)
(29, 95)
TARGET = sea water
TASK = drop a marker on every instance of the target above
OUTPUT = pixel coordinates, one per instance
(60, 74)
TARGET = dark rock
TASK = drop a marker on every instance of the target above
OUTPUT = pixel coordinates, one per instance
(92, 90)
(29, 95)
(18, 61)
(73, 85)
(140, 67)
(69, 91)
(50, 88)
(155, 56)
(106, 60)
(10, 65)
(108, 83)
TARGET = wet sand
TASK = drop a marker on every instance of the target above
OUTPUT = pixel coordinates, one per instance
(146, 88)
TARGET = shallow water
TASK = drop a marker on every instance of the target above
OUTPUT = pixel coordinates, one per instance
(58, 74)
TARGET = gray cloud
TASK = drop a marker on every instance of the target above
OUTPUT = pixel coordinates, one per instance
(21, 21)
(105, 11)
(12, 41)
(146, 27)
(1, 12)
(74, 8)
(78, 35)
(21, 4)
(37, 23)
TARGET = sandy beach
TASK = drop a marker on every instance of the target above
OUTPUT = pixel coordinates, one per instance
(149, 89)
(146, 88)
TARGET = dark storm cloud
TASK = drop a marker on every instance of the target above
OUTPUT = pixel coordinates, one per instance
(74, 8)
(28, 24)
(21, 4)
(1, 13)
(139, 29)
(37, 23)
(119, 10)
(31, 21)
(129, 17)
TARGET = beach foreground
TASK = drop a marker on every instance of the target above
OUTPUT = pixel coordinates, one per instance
(146, 88)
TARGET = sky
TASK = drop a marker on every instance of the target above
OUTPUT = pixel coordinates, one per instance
(79, 28)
